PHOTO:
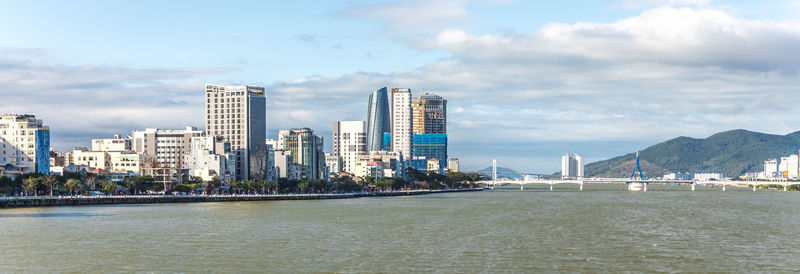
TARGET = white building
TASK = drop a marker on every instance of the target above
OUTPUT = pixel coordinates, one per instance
(788, 167)
(285, 167)
(770, 168)
(349, 141)
(433, 165)
(208, 158)
(114, 144)
(128, 161)
(24, 143)
(392, 163)
(679, 176)
(334, 163)
(167, 145)
(572, 166)
(401, 128)
(91, 159)
(239, 114)
(707, 176)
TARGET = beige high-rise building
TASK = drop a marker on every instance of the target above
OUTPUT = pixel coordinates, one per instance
(239, 114)
(429, 114)
(400, 99)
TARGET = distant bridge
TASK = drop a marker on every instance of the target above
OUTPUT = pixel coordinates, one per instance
(632, 181)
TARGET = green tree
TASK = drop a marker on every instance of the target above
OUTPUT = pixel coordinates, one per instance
(51, 181)
(74, 185)
(31, 184)
(110, 188)
(182, 188)
(384, 183)
(303, 185)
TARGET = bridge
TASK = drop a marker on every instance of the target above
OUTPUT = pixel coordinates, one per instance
(635, 183)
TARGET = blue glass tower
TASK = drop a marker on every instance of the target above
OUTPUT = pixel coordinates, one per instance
(427, 146)
(377, 119)
(42, 140)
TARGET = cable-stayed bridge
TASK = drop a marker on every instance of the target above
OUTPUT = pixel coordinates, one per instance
(637, 181)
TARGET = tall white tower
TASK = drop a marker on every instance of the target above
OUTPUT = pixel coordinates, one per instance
(401, 121)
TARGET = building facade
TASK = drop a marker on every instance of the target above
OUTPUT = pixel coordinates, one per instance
(571, 166)
(452, 165)
(401, 121)
(24, 143)
(349, 141)
(114, 144)
(334, 163)
(428, 146)
(307, 150)
(377, 119)
(429, 114)
(239, 115)
(208, 158)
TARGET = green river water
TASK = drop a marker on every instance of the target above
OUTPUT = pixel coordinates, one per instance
(600, 229)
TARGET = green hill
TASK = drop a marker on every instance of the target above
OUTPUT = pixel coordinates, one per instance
(731, 153)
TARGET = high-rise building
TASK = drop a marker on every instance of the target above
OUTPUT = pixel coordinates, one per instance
(24, 143)
(307, 150)
(426, 147)
(239, 114)
(349, 141)
(571, 166)
(114, 144)
(429, 114)
(377, 119)
(401, 121)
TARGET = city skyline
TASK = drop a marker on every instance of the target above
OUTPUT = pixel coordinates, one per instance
(519, 88)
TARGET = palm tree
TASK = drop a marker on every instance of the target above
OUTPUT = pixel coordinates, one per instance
(73, 185)
(271, 186)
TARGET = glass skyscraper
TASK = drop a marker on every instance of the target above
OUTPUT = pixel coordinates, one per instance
(428, 146)
(377, 119)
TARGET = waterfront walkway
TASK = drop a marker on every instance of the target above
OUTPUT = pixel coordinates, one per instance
(42, 201)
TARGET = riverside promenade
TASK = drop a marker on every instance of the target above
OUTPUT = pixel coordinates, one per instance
(47, 201)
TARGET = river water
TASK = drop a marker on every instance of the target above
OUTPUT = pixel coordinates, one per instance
(600, 229)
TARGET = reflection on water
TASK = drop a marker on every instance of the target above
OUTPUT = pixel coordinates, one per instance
(601, 229)
(51, 215)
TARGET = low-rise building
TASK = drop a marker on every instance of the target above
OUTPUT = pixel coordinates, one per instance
(82, 156)
(114, 144)
(433, 165)
(708, 176)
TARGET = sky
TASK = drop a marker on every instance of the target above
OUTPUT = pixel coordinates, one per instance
(526, 81)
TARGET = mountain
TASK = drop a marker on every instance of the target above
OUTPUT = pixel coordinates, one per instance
(731, 153)
(501, 172)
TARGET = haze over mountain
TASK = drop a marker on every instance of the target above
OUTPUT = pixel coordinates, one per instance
(731, 153)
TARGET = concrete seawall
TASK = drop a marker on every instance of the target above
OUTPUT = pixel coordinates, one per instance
(45, 201)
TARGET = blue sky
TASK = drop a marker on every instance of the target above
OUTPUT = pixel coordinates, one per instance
(526, 80)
